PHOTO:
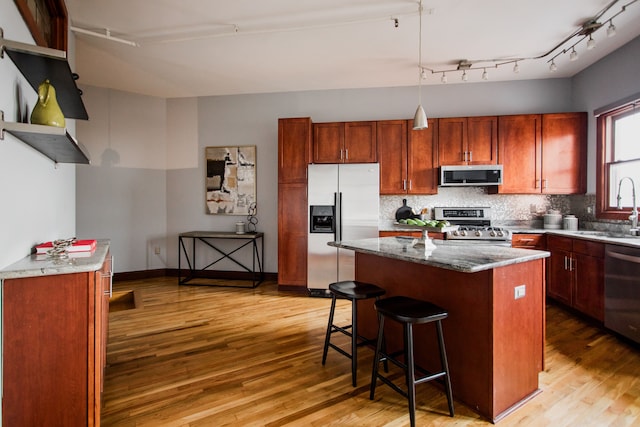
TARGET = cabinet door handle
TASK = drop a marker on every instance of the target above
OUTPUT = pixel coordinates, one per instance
(545, 183)
(341, 154)
(537, 185)
(404, 184)
(110, 275)
(346, 155)
(464, 156)
(409, 185)
(565, 263)
(471, 156)
(526, 240)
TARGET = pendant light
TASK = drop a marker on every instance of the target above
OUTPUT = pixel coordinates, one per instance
(420, 118)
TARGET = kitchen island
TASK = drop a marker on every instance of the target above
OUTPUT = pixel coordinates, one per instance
(495, 296)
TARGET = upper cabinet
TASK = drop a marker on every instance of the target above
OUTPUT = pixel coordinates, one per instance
(407, 157)
(543, 153)
(344, 142)
(468, 140)
(294, 147)
(38, 63)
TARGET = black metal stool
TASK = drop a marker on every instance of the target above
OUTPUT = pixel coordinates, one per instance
(409, 311)
(353, 291)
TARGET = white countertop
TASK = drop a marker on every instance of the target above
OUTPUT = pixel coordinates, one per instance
(38, 265)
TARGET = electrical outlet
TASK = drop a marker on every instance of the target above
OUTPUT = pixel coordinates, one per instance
(519, 292)
(156, 250)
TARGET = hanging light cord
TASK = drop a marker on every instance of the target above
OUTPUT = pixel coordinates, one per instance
(420, 56)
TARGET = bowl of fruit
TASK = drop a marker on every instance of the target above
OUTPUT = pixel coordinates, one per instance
(427, 224)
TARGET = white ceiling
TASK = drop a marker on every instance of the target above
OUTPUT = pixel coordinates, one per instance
(220, 47)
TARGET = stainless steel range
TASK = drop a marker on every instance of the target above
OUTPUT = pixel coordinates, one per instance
(474, 224)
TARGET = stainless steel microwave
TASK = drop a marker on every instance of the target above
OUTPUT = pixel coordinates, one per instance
(470, 175)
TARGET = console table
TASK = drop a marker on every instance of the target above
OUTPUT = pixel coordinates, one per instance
(209, 238)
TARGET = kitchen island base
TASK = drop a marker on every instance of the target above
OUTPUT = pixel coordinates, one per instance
(494, 333)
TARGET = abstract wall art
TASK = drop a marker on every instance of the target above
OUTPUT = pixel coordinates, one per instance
(231, 179)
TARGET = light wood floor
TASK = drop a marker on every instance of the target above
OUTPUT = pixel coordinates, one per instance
(207, 356)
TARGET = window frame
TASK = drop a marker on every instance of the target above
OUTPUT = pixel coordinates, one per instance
(58, 25)
(604, 155)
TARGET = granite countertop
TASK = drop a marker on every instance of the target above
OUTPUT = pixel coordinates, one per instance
(467, 258)
(39, 265)
(613, 238)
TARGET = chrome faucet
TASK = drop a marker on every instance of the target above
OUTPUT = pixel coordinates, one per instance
(634, 213)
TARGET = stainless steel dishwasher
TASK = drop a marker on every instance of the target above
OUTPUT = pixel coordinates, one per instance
(622, 290)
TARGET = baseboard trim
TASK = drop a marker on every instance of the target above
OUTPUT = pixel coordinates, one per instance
(173, 272)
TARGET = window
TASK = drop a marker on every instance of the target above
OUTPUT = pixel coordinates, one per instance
(618, 159)
(47, 21)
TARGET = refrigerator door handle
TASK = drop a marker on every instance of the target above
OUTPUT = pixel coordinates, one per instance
(338, 216)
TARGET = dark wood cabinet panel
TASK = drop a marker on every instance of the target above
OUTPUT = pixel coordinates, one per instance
(452, 141)
(344, 142)
(392, 156)
(543, 153)
(482, 140)
(294, 149)
(519, 151)
(54, 348)
(328, 142)
(576, 274)
(468, 140)
(564, 154)
(422, 164)
(292, 235)
(360, 142)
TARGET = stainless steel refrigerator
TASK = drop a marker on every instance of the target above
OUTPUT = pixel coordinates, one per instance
(344, 203)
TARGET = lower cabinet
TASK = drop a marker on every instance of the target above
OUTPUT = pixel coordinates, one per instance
(529, 241)
(54, 348)
(576, 274)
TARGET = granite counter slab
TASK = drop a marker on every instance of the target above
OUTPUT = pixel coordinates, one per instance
(611, 238)
(32, 265)
(467, 258)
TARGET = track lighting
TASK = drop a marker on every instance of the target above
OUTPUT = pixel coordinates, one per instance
(579, 35)
(574, 54)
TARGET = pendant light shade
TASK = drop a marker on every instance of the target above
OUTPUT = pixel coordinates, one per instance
(420, 119)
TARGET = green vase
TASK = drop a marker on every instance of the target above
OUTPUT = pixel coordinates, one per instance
(47, 111)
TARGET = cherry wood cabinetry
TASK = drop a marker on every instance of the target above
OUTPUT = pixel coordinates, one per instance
(54, 348)
(468, 140)
(407, 157)
(543, 153)
(344, 142)
(294, 149)
(576, 274)
(529, 241)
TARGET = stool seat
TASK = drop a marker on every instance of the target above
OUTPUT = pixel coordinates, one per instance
(352, 289)
(409, 310)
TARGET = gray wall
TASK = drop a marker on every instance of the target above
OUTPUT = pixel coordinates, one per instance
(38, 197)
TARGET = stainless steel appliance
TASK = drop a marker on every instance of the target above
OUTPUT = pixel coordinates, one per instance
(470, 175)
(474, 224)
(343, 205)
(622, 290)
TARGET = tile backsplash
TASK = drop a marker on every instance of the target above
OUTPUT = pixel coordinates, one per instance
(507, 209)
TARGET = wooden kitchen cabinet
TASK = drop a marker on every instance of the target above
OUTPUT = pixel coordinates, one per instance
(576, 274)
(54, 347)
(529, 241)
(344, 142)
(543, 153)
(468, 141)
(407, 157)
(294, 147)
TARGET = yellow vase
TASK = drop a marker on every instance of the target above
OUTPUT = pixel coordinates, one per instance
(47, 111)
